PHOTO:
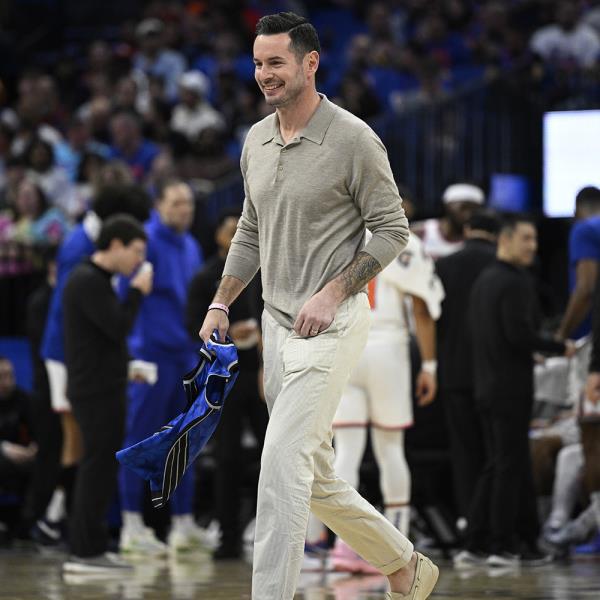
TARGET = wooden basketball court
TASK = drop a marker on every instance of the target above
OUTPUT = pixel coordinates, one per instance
(26, 574)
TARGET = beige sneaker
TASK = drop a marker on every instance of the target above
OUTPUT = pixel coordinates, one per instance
(426, 576)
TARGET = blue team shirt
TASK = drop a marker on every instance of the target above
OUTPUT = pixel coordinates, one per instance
(584, 243)
(73, 250)
(159, 331)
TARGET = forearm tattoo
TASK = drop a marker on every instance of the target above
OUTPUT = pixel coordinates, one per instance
(358, 273)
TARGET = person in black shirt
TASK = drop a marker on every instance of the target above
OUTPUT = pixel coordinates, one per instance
(503, 517)
(96, 325)
(458, 272)
(244, 401)
(46, 422)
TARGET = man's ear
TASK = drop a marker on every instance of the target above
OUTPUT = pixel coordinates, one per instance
(312, 61)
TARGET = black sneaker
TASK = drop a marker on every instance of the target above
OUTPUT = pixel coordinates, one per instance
(535, 558)
(46, 533)
(103, 563)
(228, 551)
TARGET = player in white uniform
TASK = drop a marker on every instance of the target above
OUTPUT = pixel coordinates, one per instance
(379, 391)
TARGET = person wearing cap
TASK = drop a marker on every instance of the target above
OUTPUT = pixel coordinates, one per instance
(194, 114)
(155, 60)
(445, 235)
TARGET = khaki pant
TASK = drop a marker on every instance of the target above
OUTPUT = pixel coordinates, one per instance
(304, 380)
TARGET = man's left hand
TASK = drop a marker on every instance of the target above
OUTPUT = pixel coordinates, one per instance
(317, 314)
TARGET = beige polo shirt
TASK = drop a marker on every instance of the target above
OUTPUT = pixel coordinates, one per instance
(308, 203)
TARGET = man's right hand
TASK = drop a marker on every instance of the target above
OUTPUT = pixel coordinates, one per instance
(215, 319)
(143, 280)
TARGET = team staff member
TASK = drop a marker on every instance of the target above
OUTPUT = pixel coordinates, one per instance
(244, 401)
(96, 328)
(504, 340)
(161, 337)
(315, 176)
(458, 273)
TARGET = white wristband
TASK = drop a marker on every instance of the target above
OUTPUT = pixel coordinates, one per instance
(429, 366)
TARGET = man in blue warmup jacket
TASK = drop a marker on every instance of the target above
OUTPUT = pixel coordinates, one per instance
(160, 336)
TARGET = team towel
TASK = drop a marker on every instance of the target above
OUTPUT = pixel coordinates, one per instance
(163, 458)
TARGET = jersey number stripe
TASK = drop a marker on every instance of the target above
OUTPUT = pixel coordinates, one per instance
(372, 287)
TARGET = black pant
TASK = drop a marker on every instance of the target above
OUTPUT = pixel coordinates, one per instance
(102, 423)
(467, 447)
(503, 512)
(46, 468)
(233, 463)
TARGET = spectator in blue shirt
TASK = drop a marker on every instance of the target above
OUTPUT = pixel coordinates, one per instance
(160, 336)
(129, 145)
(155, 60)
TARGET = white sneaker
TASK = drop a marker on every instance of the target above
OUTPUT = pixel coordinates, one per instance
(465, 560)
(143, 542)
(503, 560)
(191, 538)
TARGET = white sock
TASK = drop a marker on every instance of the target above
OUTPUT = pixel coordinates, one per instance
(395, 481)
(56, 507)
(350, 445)
(132, 521)
(399, 517)
(183, 522)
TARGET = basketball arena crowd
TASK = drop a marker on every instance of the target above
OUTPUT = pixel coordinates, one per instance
(143, 111)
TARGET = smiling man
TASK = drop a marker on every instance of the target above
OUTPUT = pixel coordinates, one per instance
(315, 178)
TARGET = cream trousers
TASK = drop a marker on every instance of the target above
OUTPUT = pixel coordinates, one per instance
(304, 380)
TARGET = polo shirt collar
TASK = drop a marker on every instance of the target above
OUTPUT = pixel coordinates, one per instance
(316, 128)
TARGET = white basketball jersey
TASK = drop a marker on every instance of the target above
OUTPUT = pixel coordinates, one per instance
(413, 272)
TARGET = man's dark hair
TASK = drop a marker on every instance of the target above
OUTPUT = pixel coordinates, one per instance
(126, 198)
(510, 221)
(166, 183)
(485, 219)
(588, 197)
(303, 35)
(120, 227)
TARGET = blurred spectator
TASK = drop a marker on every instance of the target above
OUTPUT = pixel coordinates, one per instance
(46, 423)
(14, 172)
(36, 223)
(160, 336)
(42, 168)
(207, 158)
(567, 42)
(356, 96)
(78, 142)
(17, 449)
(153, 58)
(194, 114)
(458, 272)
(445, 235)
(503, 519)
(245, 410)
(129, 145)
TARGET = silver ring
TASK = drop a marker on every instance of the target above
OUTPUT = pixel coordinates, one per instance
(314, 331)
